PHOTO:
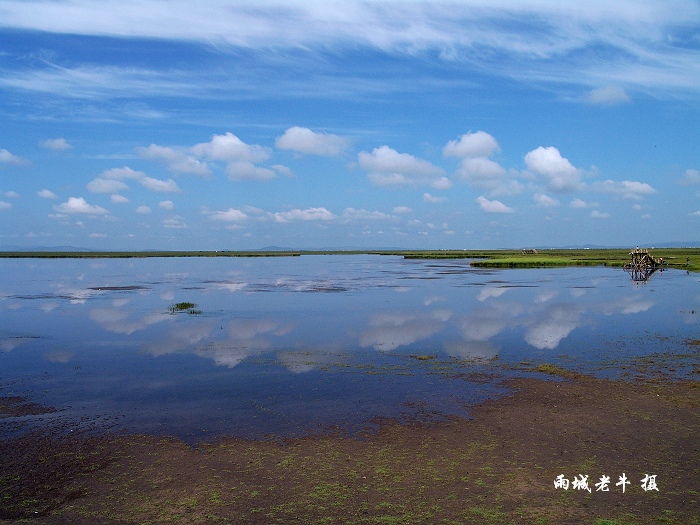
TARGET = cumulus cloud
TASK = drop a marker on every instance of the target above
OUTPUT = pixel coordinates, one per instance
(79, 205)
(175, 222)
(599, 215)
(284, 170)
(106, 186)
(362, 214)
(229, 148)
(558, 174)
(433, 199)
(177, 161)
(166, 205)
(230, 215)
(47, 194)
(578, 204)
(479, 144)
(8, 158)
(607, 96)
(143, 210)
(309, 214)
(388, 167)
(477, 169)
(627, 189)
(303, 140)
(691, 176)
(545, 201)
(399, 210)
(59, 144)
(246, 170)
(123, 173)
(162, 186)
(118, 199)
(5, 205)
(11, 194)
(493, 206)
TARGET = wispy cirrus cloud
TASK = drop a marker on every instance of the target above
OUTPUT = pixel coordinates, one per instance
(647, 44)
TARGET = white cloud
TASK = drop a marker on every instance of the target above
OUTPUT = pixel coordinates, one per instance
(399, 210)
(47, 194)
(230, 148)
(486, 174)
(284, 170)
(79, 205)
(607, 96)
(545, 201)
(578, 204)
(558, 173)
(122, 174)
(493, 206)
(479, 144)
(427, 197)
(5, 205)
(646, 45)
(230, 215)
(443, 183)
(174, 222)
(477, 169)
(143, 210)
(8, 158)
(246, 170)
(627, 188)
(309, 214)
(599, 215)
(163, 186)
(387, 167)
(118, 199)
(166, 205)
(98, 235)
(11, 194)
(691, 176)
(106, 186)
(176, 161)
(352, 213)
(303, 140)
(59, 144)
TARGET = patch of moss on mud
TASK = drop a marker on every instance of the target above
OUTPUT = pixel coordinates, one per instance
(498, 467)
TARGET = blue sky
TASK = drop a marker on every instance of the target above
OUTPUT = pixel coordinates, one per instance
(456, 124)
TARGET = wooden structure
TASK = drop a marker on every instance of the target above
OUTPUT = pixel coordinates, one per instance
(642, 265)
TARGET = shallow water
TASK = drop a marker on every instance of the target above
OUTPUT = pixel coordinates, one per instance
(291, 345)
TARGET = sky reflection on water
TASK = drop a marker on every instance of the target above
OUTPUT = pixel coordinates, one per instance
(290, 345)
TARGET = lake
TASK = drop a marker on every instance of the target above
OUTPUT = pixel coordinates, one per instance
(285, 346)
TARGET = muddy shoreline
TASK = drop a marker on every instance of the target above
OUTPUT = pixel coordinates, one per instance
(499, 467)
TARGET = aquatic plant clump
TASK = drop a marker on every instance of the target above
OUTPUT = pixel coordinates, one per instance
(190, 308)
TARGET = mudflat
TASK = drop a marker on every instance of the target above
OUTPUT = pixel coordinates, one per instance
(510, 463)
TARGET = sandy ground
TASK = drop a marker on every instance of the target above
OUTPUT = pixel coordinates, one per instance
(498, 468)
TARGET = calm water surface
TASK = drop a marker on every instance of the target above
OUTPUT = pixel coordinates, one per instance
(290, 345)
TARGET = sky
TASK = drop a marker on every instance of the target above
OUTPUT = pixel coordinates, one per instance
(475, 124)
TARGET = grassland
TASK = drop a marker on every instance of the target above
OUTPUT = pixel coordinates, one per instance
(681, 258)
